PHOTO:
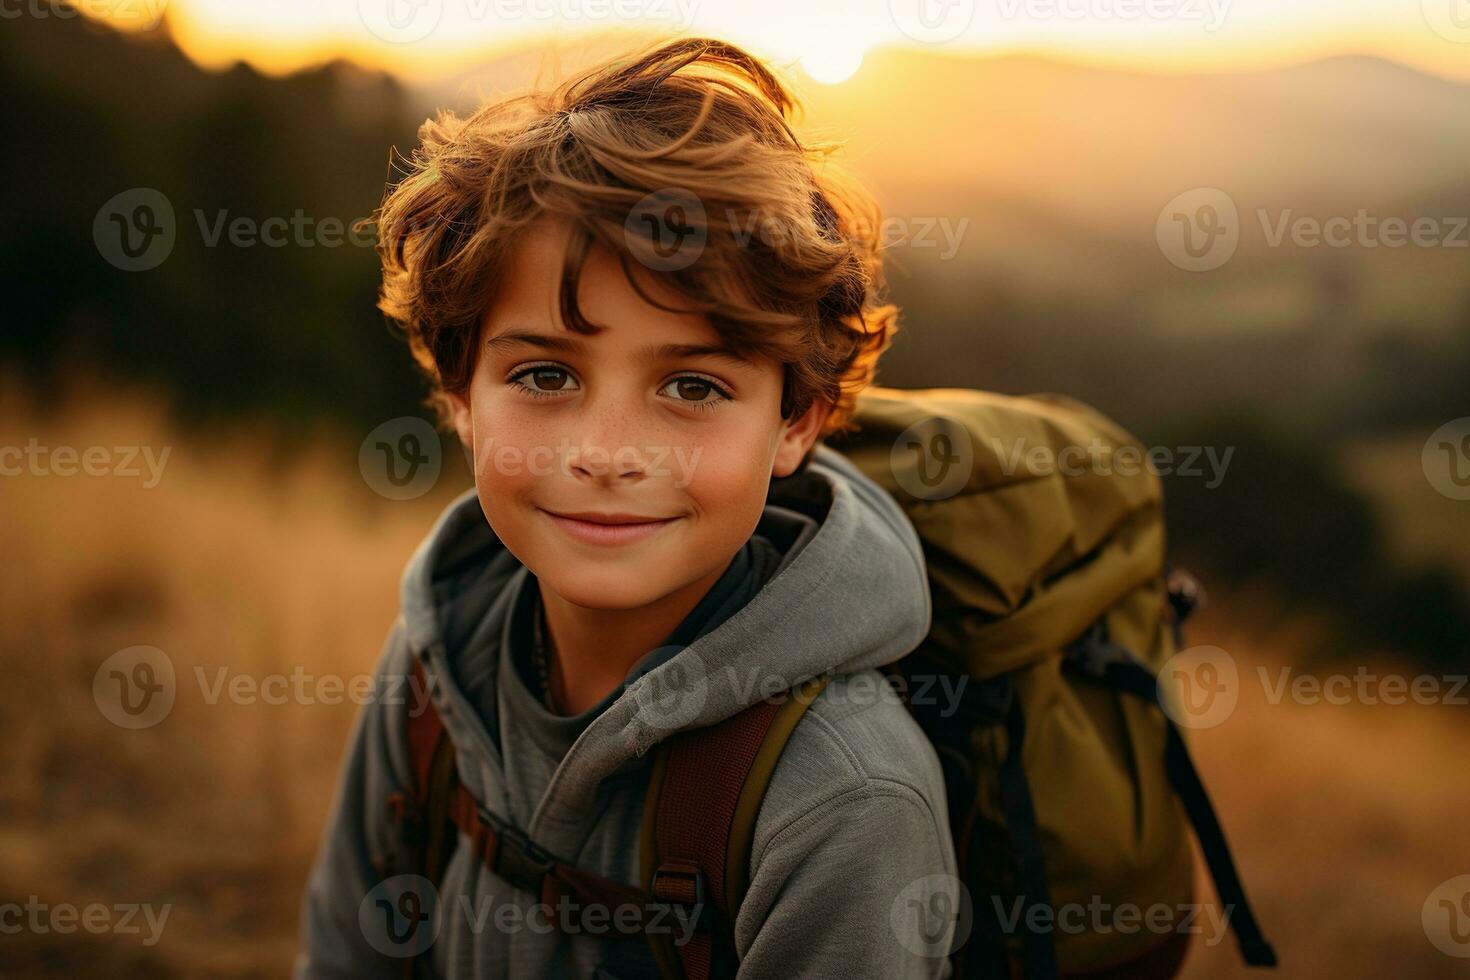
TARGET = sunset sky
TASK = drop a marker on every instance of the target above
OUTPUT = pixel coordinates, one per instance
(423, 39)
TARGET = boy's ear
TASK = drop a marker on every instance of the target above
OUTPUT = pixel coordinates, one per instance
(459, 415)
(798, 436)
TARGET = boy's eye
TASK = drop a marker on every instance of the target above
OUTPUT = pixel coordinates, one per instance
(695, 390)
(546, 379)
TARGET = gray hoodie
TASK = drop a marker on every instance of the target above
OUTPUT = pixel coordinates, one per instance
(851, 866)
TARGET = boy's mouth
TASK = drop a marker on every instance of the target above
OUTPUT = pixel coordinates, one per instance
(593, 527)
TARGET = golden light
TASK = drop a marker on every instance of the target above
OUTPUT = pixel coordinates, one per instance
(826, 38)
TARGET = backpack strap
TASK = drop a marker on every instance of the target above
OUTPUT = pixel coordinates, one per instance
(422, 813)
(1038, 949)
(433, 812)
(993, 701)
(988, 702)
(704, 826)
(1096, 657)
(699, 823)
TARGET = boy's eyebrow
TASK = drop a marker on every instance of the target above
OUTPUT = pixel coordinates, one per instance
(545, 341)
(553, 342)
(673, 351)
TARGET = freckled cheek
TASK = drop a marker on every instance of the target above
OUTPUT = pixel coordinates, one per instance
(514, 451)
(728, 479)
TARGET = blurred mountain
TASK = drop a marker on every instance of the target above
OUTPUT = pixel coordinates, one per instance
(1109, 147)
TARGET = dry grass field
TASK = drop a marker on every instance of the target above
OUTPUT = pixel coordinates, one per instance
(262, 560)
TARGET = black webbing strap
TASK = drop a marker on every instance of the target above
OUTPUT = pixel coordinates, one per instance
(1254, 947)
(989, 702)
(1098, 658)
(1038, 946)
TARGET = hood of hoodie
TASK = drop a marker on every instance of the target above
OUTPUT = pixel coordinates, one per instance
(850, 594)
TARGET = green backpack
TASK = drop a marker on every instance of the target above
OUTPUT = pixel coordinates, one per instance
(1069, 788)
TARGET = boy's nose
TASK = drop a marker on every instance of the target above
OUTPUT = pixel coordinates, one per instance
(606, 451)
(607, 464)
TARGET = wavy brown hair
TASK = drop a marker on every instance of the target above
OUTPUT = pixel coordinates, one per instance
(693, 134)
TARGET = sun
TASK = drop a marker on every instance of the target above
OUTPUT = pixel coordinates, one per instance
(831, 60)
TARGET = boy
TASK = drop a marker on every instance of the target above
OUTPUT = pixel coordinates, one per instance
(641, 306)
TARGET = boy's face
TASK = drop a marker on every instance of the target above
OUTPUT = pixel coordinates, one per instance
(627, 465)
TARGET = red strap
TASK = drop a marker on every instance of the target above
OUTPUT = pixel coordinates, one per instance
(515, 860)
(705, 771)
(425, 728)
(519, 862)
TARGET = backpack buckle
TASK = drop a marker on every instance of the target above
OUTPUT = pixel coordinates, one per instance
(1185, 596)
(517, 858)
(678, 883)
(1093, 653)
(1185, 593)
